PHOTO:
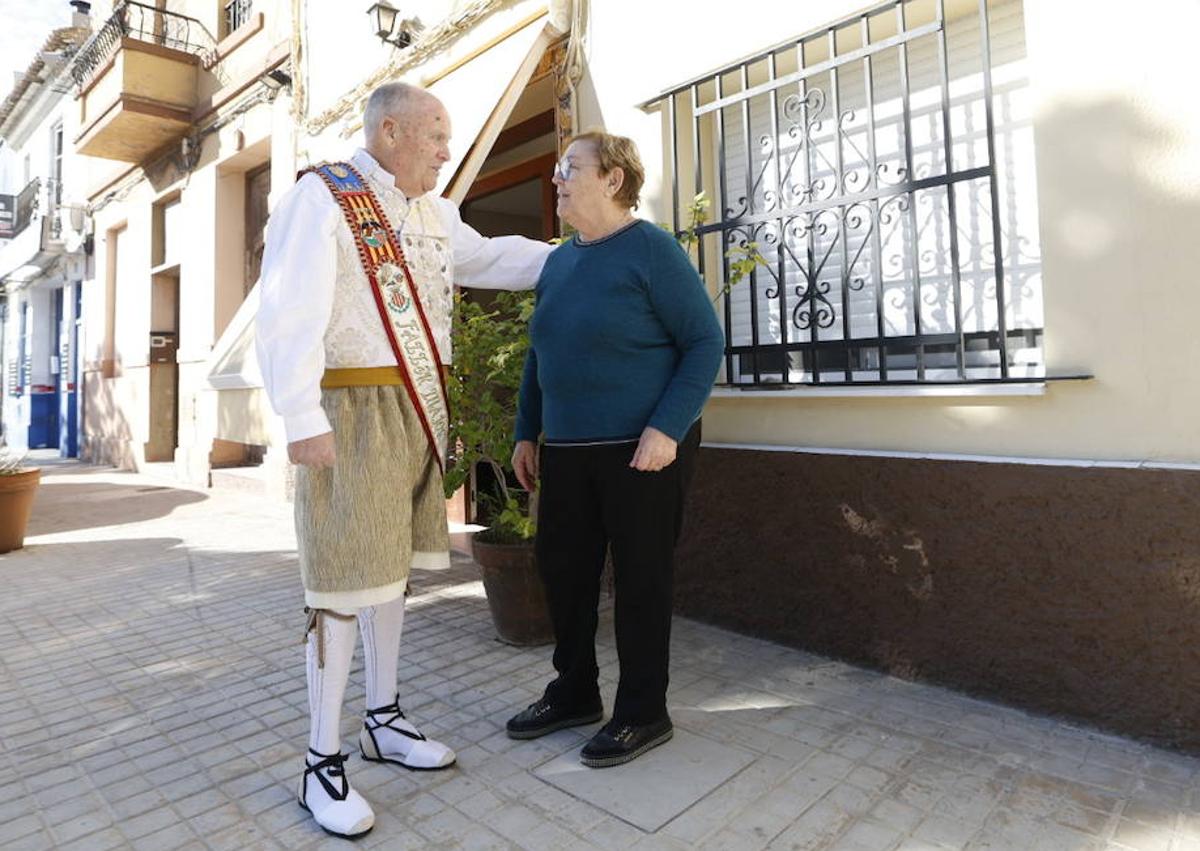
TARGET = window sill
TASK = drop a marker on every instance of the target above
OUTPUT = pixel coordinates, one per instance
(899, 391)
(1090, 463)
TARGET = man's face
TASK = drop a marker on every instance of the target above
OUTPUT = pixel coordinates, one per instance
(417, 147)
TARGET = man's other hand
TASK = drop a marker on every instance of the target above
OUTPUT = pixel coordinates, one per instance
(316, 452)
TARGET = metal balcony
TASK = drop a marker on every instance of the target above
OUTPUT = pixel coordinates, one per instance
(136, 81)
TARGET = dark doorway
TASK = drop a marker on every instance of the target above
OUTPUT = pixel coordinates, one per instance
(516, 200)
(258, 188)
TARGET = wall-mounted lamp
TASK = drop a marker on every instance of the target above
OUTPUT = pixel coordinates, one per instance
(277, 78)
(275, 81)
(389, 27)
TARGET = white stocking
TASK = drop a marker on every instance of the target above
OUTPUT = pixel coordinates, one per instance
(381, 627)
(324, 788)
(387, 736)
(327, 681)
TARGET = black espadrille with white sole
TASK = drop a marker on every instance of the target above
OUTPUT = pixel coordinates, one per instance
(619, 742)
(541, 718)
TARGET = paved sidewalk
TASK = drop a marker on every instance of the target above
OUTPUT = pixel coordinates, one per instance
(152, 696)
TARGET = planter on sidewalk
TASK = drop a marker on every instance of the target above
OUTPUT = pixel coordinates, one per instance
(515, 594)
(17, 490)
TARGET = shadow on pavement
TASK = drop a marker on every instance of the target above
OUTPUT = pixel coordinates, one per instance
(63, 505)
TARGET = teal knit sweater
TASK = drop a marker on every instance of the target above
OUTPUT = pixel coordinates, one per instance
(623, 337)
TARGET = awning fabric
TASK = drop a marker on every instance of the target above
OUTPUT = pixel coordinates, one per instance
(475, 96)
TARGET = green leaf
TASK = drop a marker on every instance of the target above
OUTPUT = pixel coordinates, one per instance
(489, 356)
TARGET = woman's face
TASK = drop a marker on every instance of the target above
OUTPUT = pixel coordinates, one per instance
(581, 187)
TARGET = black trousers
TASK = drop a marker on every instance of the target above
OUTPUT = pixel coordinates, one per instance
(592, 499)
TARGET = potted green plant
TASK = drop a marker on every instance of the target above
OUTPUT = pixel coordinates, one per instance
(18, 485)
(490, 341)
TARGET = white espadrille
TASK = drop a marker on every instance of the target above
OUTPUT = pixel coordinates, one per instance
(337, 808)
(387, 736)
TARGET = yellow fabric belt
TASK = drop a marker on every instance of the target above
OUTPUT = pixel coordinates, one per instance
(367, 376)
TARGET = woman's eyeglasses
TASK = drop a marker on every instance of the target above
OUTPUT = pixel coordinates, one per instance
(565, 169)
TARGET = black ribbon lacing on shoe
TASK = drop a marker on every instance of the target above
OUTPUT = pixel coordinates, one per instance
(335, 766)
(371, 723)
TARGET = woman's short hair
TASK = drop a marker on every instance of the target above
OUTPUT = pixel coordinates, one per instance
(618, 152)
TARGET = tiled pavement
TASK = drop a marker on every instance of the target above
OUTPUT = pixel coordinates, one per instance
(152, 696)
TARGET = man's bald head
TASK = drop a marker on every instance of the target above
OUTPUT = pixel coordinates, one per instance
(392, 100)
(407, 130)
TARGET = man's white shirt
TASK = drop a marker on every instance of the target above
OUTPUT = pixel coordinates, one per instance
(316, 308)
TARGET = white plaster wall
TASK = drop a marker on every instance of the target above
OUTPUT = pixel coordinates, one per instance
(343, 50)
(10, 171)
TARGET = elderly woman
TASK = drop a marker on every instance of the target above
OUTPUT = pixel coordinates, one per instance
(624, 349)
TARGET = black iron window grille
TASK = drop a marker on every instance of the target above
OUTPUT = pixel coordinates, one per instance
(48, 203)
(237, 12)
(882, 168)
(144, 23)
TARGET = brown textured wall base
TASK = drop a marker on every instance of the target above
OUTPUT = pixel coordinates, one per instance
(1068, 590)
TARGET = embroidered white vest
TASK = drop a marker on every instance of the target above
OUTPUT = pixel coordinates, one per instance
(355, 337)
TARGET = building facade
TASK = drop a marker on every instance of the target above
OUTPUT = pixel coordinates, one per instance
(183, 135)
(192, 117)
(955, 436)
(43, 255)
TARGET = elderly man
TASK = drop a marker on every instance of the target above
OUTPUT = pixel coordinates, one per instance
(353, 329)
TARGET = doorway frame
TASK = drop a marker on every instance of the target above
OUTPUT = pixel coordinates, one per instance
(541, 166)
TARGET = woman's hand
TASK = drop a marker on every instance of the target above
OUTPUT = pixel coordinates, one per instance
(525, 464)
(654, 451)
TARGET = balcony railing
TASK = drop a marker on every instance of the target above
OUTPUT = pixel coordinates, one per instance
(19, 210)
(41, 198)
(143, 23)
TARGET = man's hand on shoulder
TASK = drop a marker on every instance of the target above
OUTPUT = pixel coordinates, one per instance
(318, 452)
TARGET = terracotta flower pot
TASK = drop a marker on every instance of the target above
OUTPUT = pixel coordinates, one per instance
(16, 502)
(515, 593)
